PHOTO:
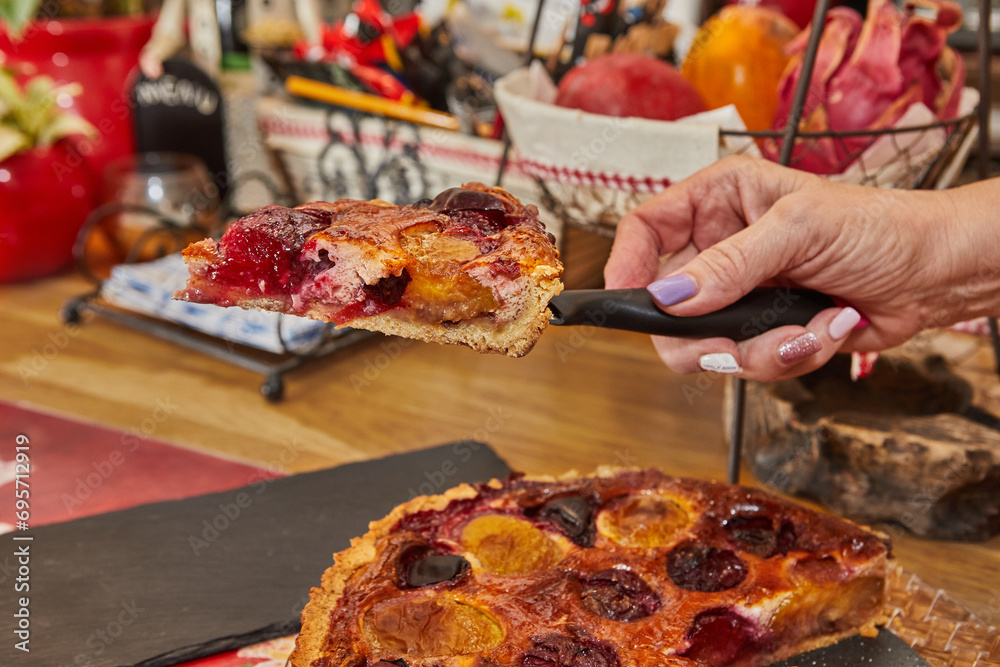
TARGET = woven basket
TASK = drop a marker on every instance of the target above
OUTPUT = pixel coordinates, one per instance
(592, 169)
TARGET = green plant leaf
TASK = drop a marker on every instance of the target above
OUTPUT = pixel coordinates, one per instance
(33, 112)
(10, 92)
(11, 142)
(65, 125)
(16, 13)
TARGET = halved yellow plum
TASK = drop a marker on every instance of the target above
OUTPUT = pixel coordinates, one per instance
(509, 545)
(644, 520)
(429, 627)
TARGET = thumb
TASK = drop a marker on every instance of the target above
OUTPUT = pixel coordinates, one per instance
(726, 271)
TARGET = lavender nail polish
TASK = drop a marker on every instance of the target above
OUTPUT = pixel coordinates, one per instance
(799, 347)
(674, 289)
(843, 323)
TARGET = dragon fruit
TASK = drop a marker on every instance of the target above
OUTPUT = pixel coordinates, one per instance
(867, 74)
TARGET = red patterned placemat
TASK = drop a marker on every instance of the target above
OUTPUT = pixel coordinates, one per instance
(78, 469)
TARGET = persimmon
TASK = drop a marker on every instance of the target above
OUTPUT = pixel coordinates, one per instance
(800, 11)
(738, 58)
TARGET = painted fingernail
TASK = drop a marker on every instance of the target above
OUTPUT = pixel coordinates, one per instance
(844, 323)
(799, 347)
(674, 289)
(719, 362)
(862, 323)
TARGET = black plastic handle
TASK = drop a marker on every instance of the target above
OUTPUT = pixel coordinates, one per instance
(763, 309)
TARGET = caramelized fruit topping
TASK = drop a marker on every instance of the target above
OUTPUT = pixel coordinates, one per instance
(431, 627)
(720, 637)
(643, 521)
(508, 545)
(453, 298)
(440, 253)
(564, 651)
(474, 213)
(573, 516)
(441, 291)
(420, 565)
(759, 536)
(261, 249)
(619, 595)
(702, 568)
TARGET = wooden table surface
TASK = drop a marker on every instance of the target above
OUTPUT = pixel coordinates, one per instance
(580, 399)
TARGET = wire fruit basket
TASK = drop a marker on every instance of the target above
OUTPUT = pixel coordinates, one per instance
(590, 170)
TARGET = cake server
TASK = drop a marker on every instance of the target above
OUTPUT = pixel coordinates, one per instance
(761, 310)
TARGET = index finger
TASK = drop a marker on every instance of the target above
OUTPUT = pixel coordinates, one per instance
(704, 208)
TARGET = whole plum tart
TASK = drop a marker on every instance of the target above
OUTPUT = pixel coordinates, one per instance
(625, 568)
(473, 266)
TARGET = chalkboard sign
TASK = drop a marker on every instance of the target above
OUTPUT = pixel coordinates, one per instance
(182, 112)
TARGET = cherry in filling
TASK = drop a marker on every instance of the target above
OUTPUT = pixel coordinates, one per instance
(378, 298)
(720, 637)
(474, 213)
(260, 250)
(572, 515)
(758, 535)
(478, 223)
(703, 568)
(565, 651)
(460, 199)
(618, 594)
(420, 565)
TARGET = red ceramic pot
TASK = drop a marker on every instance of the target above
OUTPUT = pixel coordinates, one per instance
(46, 195)
(100, 54)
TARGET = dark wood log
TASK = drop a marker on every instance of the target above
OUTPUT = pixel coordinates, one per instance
(906, 445)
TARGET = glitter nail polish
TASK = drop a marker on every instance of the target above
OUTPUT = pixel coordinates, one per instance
(799, 347)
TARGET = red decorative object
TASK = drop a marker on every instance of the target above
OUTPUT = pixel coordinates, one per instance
(868, 73)
(101, 55)
(360, 35)
(45, 196)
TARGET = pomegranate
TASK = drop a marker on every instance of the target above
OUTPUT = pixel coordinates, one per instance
(629, 84)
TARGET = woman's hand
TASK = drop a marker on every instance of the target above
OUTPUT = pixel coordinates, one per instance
(894, 256)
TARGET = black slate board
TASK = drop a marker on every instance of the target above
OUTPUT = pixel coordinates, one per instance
(884, 650)
(152, 587)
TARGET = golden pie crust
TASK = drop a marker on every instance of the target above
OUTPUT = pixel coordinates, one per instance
(543, 589)
(481, 278)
